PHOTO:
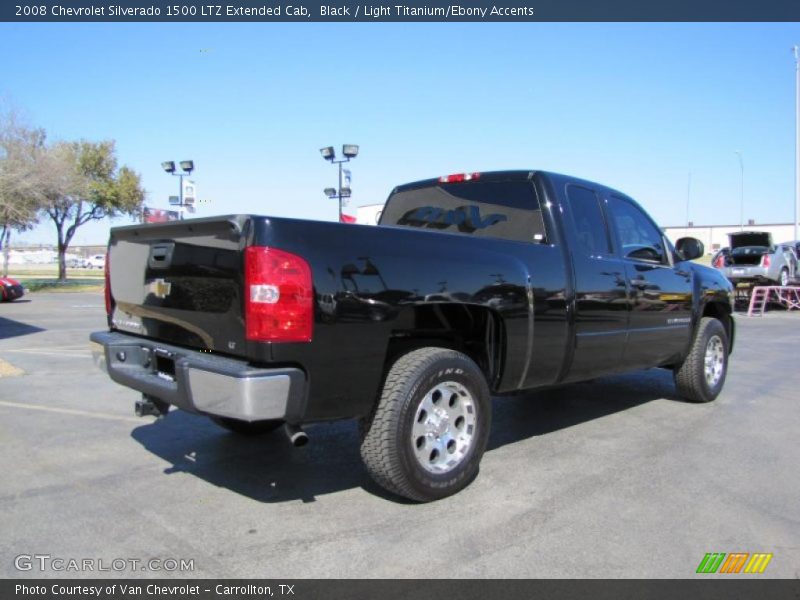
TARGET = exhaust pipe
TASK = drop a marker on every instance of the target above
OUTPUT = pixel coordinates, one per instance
(297, 437)
(151, 407)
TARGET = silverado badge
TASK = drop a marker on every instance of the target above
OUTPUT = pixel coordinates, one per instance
(159, 288)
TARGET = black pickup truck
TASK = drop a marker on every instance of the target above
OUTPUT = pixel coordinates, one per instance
(473, 285)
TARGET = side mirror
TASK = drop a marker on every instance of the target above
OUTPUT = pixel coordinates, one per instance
(690, 248)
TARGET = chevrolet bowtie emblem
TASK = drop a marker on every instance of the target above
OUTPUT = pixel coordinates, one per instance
(159, 288)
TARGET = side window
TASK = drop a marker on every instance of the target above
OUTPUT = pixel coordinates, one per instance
(639, 238)
(587, 217)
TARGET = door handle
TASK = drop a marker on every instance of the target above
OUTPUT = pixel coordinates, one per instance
(639, 282)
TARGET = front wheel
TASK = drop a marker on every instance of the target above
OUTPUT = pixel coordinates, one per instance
(429, 430)
(701, 376)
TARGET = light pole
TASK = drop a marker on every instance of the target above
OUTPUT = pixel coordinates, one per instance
(796, 51)
(328, 153)
(187, 166)
(688, 196)
(741, 191)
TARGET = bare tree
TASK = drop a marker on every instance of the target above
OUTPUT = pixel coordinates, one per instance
(21, 184)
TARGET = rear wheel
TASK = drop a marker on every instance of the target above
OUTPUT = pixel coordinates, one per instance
(247, 427)
(429, 431)
(701, 376)
(784, 277)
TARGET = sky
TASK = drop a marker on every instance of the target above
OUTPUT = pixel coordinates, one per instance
(638, 107)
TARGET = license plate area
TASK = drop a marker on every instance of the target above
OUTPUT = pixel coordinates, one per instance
(164, 364)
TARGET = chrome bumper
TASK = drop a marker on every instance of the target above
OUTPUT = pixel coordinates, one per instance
(200, 382)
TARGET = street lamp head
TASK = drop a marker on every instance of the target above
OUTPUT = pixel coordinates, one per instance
(330, 192)
(168, 166)
(187, 165)
(350, 150)
(328, 153)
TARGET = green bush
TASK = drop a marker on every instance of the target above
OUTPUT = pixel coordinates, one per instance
(54, 285)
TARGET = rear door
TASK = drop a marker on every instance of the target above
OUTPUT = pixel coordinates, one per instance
(601, 296)
(660, 322)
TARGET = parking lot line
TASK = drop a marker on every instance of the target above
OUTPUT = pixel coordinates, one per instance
(72, 351)
(70, 411)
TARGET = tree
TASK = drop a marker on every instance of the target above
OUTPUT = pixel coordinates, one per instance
(21, 183)
(92, 188)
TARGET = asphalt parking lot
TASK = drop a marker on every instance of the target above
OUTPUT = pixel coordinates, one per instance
(612, 478)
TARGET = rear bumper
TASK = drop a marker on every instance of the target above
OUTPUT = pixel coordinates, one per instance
(201, 382)
(749, 274)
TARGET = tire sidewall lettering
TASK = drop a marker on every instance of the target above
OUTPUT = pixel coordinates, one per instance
(709, 334)
(467, 468)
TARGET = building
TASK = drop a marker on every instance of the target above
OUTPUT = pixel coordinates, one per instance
(47, 254)
(369, 214)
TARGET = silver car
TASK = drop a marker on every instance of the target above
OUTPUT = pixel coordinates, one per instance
(753, 258)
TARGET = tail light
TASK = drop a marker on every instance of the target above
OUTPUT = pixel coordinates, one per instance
(279, 298)
(765, 260)
(720, 261)
(109, 297)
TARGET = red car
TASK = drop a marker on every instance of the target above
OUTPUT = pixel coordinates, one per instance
(10, 289)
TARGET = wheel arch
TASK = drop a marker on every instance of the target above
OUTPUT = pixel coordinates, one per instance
(723, 313)
(474, 330)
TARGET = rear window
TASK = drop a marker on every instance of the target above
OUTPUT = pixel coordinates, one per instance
(498, 209)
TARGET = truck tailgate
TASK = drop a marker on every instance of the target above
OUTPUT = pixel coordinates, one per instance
(180, 282)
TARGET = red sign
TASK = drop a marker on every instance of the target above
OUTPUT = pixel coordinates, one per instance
(157, 215)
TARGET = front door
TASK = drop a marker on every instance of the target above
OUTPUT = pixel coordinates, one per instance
(660, 288)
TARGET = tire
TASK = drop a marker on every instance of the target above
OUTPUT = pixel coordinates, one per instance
(701, 376)
(246, 427)
(783, 279)
(428, 432)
